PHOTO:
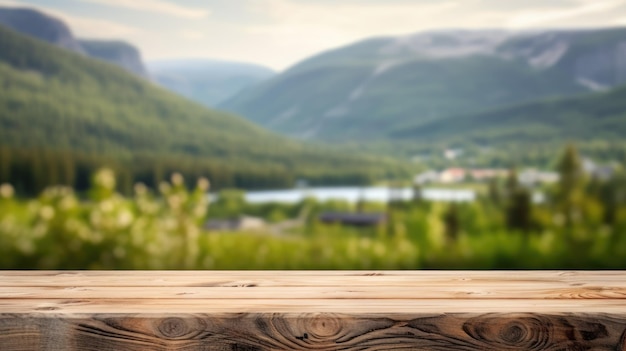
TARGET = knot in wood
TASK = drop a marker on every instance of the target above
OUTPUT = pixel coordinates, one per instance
(513, 333)
(325, 326)
(523, 332)
(173, 327)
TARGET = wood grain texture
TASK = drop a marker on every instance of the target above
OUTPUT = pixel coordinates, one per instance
(468, 291)
(523, 331)
(312, 310)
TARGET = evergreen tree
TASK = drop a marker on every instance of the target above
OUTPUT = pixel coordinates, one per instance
(571, 174)
(519, 210)
(493, 192)
(571, 185)
(451, 221)
(519, 204)
(512, 182)
(5, 165)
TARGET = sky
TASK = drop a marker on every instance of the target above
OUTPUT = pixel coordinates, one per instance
(279, 33)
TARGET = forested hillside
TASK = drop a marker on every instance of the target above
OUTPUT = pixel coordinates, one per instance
(87, 112)
(599, 116)
(371, 89)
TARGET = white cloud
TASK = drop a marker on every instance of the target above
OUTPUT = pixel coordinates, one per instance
(545, 16)
(158, 6)
(295, 30)
(10, 3)
(278, 33)
(86, 27)
(192, 35)
(353, 18)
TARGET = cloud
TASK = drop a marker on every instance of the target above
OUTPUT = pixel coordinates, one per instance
(11, 3)
(297, 29)
(584, 7)
(192, 35)
(351, 17)
(158, 6)
(96, 28)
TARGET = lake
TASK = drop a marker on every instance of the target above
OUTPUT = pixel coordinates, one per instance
(354, 194)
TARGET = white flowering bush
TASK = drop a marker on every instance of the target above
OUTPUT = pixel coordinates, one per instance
(164, 230)
(60, 231)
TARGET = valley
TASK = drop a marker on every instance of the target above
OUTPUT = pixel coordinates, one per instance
(175, 136)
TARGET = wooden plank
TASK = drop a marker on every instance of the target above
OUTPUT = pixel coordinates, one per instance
(312, 310)
(309, 278)
(430, 274)
(257, 332)
(395, 306)
(253, 291)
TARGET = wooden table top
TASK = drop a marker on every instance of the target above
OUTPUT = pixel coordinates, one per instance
(312, 310)
(312, 291)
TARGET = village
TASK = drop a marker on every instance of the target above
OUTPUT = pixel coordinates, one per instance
(453, 184)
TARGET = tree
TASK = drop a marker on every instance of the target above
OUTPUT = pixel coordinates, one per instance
(519, 210)
(569, 194)
(5, 165)
(571, 174)
(519, 204)
(512, 182)
(451, 221)
(494, 193)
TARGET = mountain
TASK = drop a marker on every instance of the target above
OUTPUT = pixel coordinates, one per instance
(40, 26)
(57, 100)
(208, 82)
(596, 116)
(52, 30)
(116, 52)
(372, 89)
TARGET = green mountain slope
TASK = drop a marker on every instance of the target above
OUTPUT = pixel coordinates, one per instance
(54, 99)
(599, 116)
(371, 89)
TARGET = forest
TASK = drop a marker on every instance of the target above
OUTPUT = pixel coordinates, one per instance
(581, 224)
(68, 115)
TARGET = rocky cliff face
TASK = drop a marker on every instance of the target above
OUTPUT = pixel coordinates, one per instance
(54, 31)
(116, 52)
(604, 66)
(594, 58)
(40, 26)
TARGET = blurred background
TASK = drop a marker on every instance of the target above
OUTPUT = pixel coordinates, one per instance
(312, 134)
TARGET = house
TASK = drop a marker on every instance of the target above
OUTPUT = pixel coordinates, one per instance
(533, 176)
(487, 174)
(353, 219)
(598, 172)
(240, 223)
(452, 175)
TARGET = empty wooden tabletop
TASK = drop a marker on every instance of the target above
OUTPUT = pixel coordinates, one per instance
(318, 310)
